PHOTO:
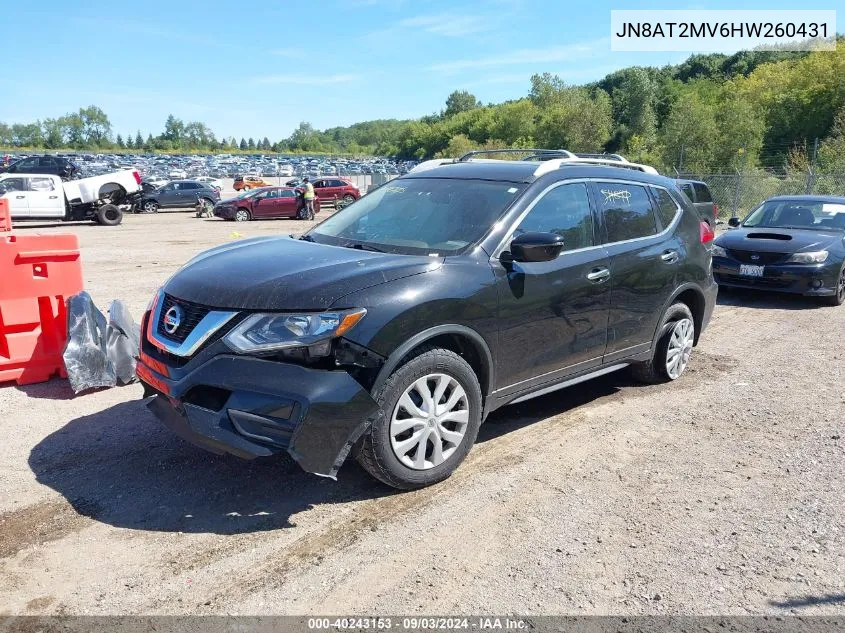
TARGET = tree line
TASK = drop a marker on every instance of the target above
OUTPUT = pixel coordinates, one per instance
(711, 113)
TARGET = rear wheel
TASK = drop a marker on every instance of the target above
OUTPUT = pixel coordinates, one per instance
(838, 298)
(109, 215)
(242, 215)
(431, 411)
(349, 198)
(673, 350)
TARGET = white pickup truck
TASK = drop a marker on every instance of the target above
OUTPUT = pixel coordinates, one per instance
(47, 197)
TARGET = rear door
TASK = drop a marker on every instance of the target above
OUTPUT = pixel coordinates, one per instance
(644, 262)
(287, 203)
(17, 195)
(45, 201)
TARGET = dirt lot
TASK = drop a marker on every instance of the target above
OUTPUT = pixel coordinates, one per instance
(721, 493)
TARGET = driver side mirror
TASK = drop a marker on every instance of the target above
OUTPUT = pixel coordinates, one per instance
(733, 222)
(535, 247)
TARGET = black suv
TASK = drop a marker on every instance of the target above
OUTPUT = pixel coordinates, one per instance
(393, 328)
(53, 165)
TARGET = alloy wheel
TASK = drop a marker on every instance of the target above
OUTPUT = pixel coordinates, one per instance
(680, 348)
(429, 421)
(150, 207)
(241, 216)
(841, 289)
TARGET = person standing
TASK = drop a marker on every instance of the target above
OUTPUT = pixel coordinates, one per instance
(308, 196)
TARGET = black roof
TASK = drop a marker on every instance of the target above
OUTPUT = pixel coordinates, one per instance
(812, 198)
(523, 171)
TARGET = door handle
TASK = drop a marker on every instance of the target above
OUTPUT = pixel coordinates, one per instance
(669, 257)
(598, 275)
(54, 197)
(21, 197)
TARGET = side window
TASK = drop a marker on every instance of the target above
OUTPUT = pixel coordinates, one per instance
(626, 209)
(29, 163)
(12, 184)
(666, 206)
(190, 185)
(287, 194)
(272, 195)
(339, 183)
(702, 193)
(564, 210)
(47, 162)
(687, 189)
(41, 184)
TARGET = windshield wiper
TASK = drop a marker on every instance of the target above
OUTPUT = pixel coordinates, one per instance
(365, 247)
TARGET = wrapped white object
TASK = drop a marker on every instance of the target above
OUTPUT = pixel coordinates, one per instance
(99, 353)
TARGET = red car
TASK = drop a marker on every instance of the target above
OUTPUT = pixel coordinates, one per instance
(268, 202)
(330, 189)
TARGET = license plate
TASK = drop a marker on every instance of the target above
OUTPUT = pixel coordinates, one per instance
(751, 270)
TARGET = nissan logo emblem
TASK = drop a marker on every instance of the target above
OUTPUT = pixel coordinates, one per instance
(173, 319)
(755, 257)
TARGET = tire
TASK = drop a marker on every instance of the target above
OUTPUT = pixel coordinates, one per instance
(242, 215)
(109, 215)
(381, 451)
(349, 198)
(838, 298)
(150, 206)
(677, 335)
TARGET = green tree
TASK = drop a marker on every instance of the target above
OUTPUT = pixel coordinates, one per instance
(53, 133)
(96, 127)
(243, 145)
(457, 146)
(460, 101)
(139, 140)
(129, 143)
(119, 142)
(174, 129)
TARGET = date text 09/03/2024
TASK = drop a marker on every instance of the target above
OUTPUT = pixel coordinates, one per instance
(418, 623)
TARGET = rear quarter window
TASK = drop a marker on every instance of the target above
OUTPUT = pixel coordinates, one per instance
(667, 208)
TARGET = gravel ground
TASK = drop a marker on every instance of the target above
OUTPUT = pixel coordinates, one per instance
(721, 493)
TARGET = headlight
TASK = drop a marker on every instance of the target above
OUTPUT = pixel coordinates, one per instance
(817, 257)
(269, 332)
(718, 251)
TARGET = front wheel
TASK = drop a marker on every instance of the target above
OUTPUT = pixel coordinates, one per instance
(673, 350)
(150, 207)
(838, 298)
(242, 215)
(431, 411)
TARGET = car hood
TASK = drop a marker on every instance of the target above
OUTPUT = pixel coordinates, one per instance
(777, 240)
(280, 273)
(229, 201)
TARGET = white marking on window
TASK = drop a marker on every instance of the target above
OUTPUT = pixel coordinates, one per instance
(615, 196)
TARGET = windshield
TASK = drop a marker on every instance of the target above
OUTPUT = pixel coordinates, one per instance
(798, 214)
(419, 216)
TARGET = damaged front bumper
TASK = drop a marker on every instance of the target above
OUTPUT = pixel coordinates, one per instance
(252, 407)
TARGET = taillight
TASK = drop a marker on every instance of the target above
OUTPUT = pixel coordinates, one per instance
(715, 211)
(137, 177)
(706, 233)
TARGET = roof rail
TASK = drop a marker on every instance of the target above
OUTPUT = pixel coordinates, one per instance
(617, 157)
(557, 163)
(532, 152)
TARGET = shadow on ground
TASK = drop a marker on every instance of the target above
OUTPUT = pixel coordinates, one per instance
(120, 466)
(809, 601)
(761, 299)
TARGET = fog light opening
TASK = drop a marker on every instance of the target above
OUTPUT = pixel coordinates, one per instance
(816, 283)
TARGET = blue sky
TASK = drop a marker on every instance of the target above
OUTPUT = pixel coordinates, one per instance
(256, 69)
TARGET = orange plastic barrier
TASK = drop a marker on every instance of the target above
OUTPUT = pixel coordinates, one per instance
(37, 274)
(5, 216)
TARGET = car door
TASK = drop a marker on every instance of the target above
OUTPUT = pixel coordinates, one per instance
(287, 203)
(553, 315)
(14, 190)
(167, 195)
(45, 201)
(644, 262)
(48, 165)
(25, 166)
(264, 204)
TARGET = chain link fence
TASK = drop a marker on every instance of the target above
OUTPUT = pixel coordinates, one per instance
(737, 194)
